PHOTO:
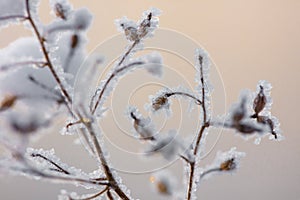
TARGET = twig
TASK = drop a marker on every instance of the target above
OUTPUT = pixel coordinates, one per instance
(169, 94)
(43, 86)
(205, 125)
(49, 63)
(111, 77)
(93, 196)
(128, 52)
(21, 64)
(59, 168)
(209, 171)
(21, 17)
(104, 163)
(109, 195)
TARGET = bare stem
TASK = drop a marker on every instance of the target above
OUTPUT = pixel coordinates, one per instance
(111, 77)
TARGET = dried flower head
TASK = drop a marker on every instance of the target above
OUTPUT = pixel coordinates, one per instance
(228, 165)
(259, 101)
(159, 102)
(8, 102)
(60, 11)
(164, 183)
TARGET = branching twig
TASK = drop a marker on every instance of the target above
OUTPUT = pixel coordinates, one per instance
(205, 124)
(49, 63)
(169, 94)
(111, 77)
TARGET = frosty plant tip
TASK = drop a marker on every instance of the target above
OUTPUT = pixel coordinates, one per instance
(37, 90)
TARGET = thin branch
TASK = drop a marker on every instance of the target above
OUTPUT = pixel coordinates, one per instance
(58, 168)
(210, 171)
(185, 159)
(49, 63)
(111, 77)
(128, 52)
(205, 125)
(43, 86)
(104, 163)
(34, 171)
(21, 64)
(93, 196)
(18, 17)
(169, 94)
(109, 195)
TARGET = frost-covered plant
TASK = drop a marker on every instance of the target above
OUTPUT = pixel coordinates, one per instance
(37, 85)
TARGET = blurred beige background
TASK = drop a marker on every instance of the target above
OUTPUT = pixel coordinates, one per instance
(249, 41)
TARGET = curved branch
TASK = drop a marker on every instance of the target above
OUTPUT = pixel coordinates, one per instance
(58, 168)
(169, 94)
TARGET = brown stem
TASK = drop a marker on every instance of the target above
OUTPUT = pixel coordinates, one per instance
(93, 196)
(109, 195)
(191, 176)
(111, 77)
(43, 47)
(20, 64)
(107, 170)
(209, 171)
(21, 17)
(59, 168)
(205, 125)
(30, 170)
(169, 94)
(112, 182)
(128, 52)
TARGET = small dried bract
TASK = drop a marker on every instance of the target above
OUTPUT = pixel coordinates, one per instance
(259, 101)
(159, 102)
(8, 102)
(228, 165)
(60, 11)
